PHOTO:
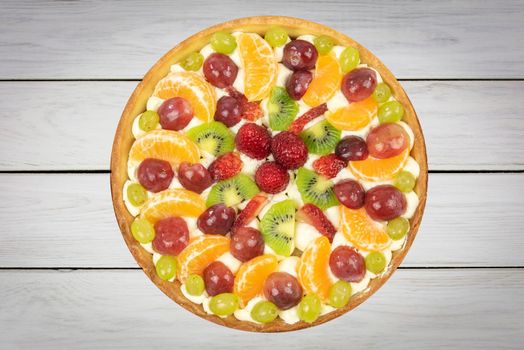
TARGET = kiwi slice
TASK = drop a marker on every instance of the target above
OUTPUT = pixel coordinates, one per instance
(214, 138)
(278, 227)
(315, 189)
(232, 191)
(282, 109)
(321, 138)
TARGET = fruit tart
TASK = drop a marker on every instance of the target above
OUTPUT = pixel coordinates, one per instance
(269, 174)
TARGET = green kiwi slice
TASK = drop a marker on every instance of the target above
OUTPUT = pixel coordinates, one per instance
(214, 138)
(278, 227)
(282, 109)
(315, 189)
(232, 191)
(321, 138)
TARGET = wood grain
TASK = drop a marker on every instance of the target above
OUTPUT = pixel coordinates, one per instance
(66, 220)
(102, 39)
(430, 309)
(468, 125)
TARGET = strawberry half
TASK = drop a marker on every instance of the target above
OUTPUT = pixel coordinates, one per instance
(313, 215)
(225, 166)
(329, 165)
(250, 211)
(315, 112)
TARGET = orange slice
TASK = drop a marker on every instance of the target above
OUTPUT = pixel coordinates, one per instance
(251, 276)
(194, 88)
(374, 169)
(312, 268)
(173, 202)
(325, 82)
(171, 146)
(355, 115)
(200, 253)
(260, 65)
(362, 231)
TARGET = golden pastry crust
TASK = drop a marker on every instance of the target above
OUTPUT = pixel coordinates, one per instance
(137, 104)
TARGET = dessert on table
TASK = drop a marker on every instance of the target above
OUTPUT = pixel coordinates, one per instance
(270, 177)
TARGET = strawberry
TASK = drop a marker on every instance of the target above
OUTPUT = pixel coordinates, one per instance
(225, 166)
(289, 150)
(329, 165)
(299, 123)
(271, 177)
(250, 110)
(253, 140)
(250, 211)
(313, 215)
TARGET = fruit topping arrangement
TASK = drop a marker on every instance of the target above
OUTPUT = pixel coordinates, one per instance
(271, 176)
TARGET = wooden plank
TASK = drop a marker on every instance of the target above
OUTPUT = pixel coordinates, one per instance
(430, 309)
(108, 39)
(66, 220)
(469, 125)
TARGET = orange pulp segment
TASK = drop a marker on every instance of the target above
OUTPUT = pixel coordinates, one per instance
(355, 115)
(312, 268)
(374, 169)
(251, 276)
(173, 202)
(201, 252)
(260, 65)
(194, 88)
(362, 231)
(326, 81)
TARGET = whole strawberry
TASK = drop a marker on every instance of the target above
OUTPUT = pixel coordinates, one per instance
(289, 150)
(225, 166)
(271, 177)
(254, 141)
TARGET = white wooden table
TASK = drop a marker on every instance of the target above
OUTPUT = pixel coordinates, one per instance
(67, 280)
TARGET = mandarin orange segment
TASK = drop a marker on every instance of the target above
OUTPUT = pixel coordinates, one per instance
(260, 66)
(325, 82)
(194, 88)
(201, 252)
(171, 146)
(313, 268)
(173, 202)
(355, 115)
(362, 231)
(374, 169)
(251, 276)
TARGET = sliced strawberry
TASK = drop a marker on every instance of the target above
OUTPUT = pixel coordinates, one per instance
(313, 215)
(329, 165)
(250, 211)
(225, 166)
(250, 110)
(299, 123)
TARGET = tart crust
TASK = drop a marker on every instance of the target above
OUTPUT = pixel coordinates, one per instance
(137, 104)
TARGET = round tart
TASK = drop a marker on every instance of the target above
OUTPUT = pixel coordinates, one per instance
(269, 174)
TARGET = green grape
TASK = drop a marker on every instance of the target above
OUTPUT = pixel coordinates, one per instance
(224, 304)
(193, 61)
(339, 294)
(375, 262)
(404, 181)
(349, 59)
(309, 308)
(397, 228)
(324, 44)
(137, 194)
(276, 36)
(142, 230)
(264, 311)
(148, 120)
(382, 93)
(390, 112)
(166, 267)
(223, 42)
(195, 285)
